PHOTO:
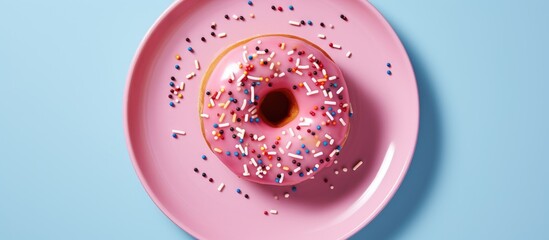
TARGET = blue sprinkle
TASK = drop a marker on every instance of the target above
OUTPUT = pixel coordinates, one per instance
(246, 91)
(338, 147)
(256, 120)
(232, 99)
(238, 190)
(333, 113)
(277, 180)
(256, 97)
(244, 155)
(389, 72)
(172, 84)
(250, 3)
(294, 188)
(302, 145)
(314, 169)
(174, 135)
(172, 104)
(190, 49)
(335, 85)
(216, 125)
(389, 65)
(325, 143)
(177, 67)
(250, 57)
(204, 157)
(350, 114)
(298, 152)
(318, 127)
(241, 140)
(307, 151)
(310, 23)
(236, 154)
(291, 7)
(259, 161)
(301, 175)
(330, 109)
(228, 153)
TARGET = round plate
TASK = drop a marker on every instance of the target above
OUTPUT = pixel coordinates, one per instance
(383, 128)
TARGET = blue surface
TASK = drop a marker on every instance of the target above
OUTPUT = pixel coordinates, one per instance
(479, 170)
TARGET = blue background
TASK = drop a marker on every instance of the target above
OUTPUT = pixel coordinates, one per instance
(479, 171)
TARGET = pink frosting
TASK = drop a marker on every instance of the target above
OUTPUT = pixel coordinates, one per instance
(302, 147)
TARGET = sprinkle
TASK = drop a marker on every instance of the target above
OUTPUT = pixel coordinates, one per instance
(244, 57)
(336, 46)
(389, 72)
(327, 136)
(203, 115)
(291, 132)
(238, 191)
(179, 132)
(339, 90)
(295, 23)
(290, 52)
(190, 75)
(299, 73)
(172, 104)
(295, 156)
(349, 54)
(281, 74)
(204, 157)
(261, 138)
(286, 195)
(253, 94)
(288, 144)
(318, 154)
(190, 49)
(245, 173)
(332, 78)
(330, 103)
(221, 187)
(312, 92)
(235, 16)
(307, 86)
(357, 165)
(342, 122)
(329, 116)
(217, 150)
(344, 169)
(222, 35)
(304, 124)
(291, 7)
(255, 78)
(297, 169)
(250, 3)
(321, 36)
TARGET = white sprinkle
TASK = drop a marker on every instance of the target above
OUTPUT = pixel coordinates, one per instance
(286, 195)
(272, 211)
(245, 173)
(327, 136)
(179, 132)
(251, 108)
(332, 141)
(235, 16)
(255, 78)
(299, 72)
(261, 138)
(330, 103)
(196, 64)
(253, 162)
(182, 86)
(223, 125)
(246, 150)
(281, 150)
(330, 94)
(313, 79)
(323, 72)
(217, 150)
(357, 165)
(332, 78)
(291, 132)
(299, 137)
(190, 75)
(239, 147)
(316, 65)
(325, 93)
(252, 96)
(281, 74)
(304, 124)
(333, 152)
(280, 181)
(260, 52)
(203, 115)
(339, 90)
(307, 86)
(290, 52)
(222, 35)
(283, 46)
(336, 46)
(246, 118)
(349, 54)
(342, 122)
(295, 23)
(318, 154)
(244, 56)
(222, 117)
(329, 115)
(221, 186)
(297, 169)
(258, 41)
(272, 66)
(212, 102)
(288, 144)
(271, 153)
(295, 156)
(243, 105)
(312, 92)
(297, 61)
(344, 169)
(321, 36)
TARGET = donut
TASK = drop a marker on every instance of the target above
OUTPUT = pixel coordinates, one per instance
(275, 109)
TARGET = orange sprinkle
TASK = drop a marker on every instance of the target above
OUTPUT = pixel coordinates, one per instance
(177, 57)
(300, 84)
(278, 138)
(315, 107)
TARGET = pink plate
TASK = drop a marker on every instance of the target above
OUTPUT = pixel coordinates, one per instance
(383, 129)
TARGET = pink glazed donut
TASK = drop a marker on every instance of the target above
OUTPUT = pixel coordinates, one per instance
(275, 109)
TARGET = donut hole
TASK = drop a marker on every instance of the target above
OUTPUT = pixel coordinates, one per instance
(278, 107)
